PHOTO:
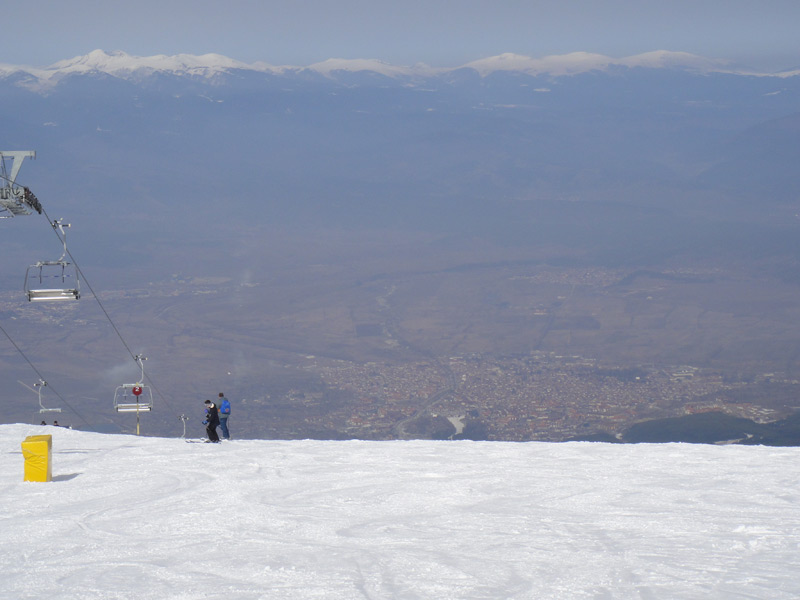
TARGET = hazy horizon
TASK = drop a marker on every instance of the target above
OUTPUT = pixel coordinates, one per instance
(440, 33)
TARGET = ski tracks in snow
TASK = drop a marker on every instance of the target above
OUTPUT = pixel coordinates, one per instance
(149, 518)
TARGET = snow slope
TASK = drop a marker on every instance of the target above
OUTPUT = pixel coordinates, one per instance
(147, 518)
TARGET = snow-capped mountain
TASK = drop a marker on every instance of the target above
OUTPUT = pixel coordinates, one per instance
(125, 66)
(210, 66)
(581, 62)
(121, 64)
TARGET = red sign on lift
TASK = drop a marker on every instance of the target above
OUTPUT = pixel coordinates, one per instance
(137, 390)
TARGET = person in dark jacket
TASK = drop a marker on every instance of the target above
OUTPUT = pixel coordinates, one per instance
(212, 421)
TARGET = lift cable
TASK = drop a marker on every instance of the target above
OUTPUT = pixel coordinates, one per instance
(34, 203)
(105, 312)
(41, 378)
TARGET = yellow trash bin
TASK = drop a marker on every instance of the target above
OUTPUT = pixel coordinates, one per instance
(36, 450)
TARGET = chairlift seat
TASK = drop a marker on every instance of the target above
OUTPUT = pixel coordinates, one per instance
(134, 407)
(54, 294)
(126, 401)
(59, 270)
(38, 388)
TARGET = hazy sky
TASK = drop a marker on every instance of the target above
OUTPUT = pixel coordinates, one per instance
(759, 33)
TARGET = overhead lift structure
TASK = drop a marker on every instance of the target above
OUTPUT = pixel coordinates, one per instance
(15, 200)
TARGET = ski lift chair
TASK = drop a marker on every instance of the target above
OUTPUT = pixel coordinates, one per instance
(38, 277)
(133, 397)
(42, 409)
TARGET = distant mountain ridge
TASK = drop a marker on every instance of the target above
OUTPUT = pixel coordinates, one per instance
(125, 66)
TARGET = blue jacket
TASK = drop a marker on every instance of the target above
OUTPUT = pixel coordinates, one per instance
(225, 409)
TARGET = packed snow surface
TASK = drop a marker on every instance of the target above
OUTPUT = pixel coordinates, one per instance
(146, 518)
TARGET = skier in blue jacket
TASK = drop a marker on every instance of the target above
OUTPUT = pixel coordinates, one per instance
(224, 413)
